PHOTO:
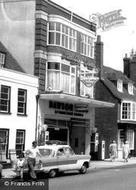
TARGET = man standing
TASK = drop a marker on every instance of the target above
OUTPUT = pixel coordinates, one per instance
(31, 159)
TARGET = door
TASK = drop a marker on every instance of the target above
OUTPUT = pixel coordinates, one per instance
(66, 159)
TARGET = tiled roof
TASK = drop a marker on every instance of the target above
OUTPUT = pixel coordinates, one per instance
(10, 62)
(114, 75)
(111, 75)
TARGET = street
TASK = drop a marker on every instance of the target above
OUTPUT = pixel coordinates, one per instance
(105, 179)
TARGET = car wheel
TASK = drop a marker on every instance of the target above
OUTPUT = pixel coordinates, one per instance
(83, 169)
(52, 173)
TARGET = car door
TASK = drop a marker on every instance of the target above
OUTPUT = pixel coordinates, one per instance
(66, 159)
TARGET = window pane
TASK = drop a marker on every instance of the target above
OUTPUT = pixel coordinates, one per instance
(65, 82)
(52, 65)
(57, 26)
(52, 26)
(53, 80)
(51, 38)
(65, 68)
(58, 38)
(73, 84)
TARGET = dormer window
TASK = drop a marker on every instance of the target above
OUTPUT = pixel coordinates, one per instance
(130, 88)
(120, 85)
(2, 59)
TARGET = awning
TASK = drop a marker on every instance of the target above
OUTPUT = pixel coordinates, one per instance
(75, 99)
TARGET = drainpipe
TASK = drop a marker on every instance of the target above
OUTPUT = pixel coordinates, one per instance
(36, 126)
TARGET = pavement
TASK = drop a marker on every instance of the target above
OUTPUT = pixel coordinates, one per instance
(103, 164)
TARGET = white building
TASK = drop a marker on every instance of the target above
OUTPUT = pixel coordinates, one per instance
(18, 93)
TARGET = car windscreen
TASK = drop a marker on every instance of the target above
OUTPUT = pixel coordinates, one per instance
(45, 151)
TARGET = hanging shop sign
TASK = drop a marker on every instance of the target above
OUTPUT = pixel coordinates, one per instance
(88, 77)
(108, 20)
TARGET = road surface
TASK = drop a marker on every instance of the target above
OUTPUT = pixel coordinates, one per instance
(104, 179)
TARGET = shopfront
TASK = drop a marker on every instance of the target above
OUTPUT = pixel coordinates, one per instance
(126, 132)
(69, 119)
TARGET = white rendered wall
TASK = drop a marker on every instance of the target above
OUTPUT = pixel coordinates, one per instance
(12, 121)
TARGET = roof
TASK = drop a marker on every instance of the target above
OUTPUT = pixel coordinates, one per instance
(114, 75)
(111, 75)
(10, 61)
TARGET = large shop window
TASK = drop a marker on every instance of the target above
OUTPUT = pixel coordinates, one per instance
(62, 35)
(22, 99)
(4, 135)
(20, 141)
(5, 98)
(128, 111)
(61, 77)
(87, 45)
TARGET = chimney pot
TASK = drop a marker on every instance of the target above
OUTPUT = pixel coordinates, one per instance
(98, 38)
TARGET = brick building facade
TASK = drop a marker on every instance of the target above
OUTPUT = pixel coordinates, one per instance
(57, 47)
(64, 50)
(117, 123)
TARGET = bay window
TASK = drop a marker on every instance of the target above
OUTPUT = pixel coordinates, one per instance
(62, 35)
(61, 76)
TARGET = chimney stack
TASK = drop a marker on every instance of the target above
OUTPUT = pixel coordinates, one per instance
(99, 55)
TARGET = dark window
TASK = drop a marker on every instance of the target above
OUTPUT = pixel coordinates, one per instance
(22, 97)
(5, 98)
(2, 59)
(4, 136)
(20, 141)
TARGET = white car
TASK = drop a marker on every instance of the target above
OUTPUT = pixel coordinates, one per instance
(61, 158)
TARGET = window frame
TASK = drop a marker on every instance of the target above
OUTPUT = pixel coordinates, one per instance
(71, 75)
(24, 103)
(130, 88)
(120, 85)
(6, 142)
(67, 35)
(2, 59)
(18, 151)
(128, 113)
(87, 45)
(7, 100)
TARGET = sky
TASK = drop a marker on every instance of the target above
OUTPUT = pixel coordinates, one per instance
(17, 28)
(118, 40)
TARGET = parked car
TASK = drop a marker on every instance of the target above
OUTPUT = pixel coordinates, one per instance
(60, 158)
